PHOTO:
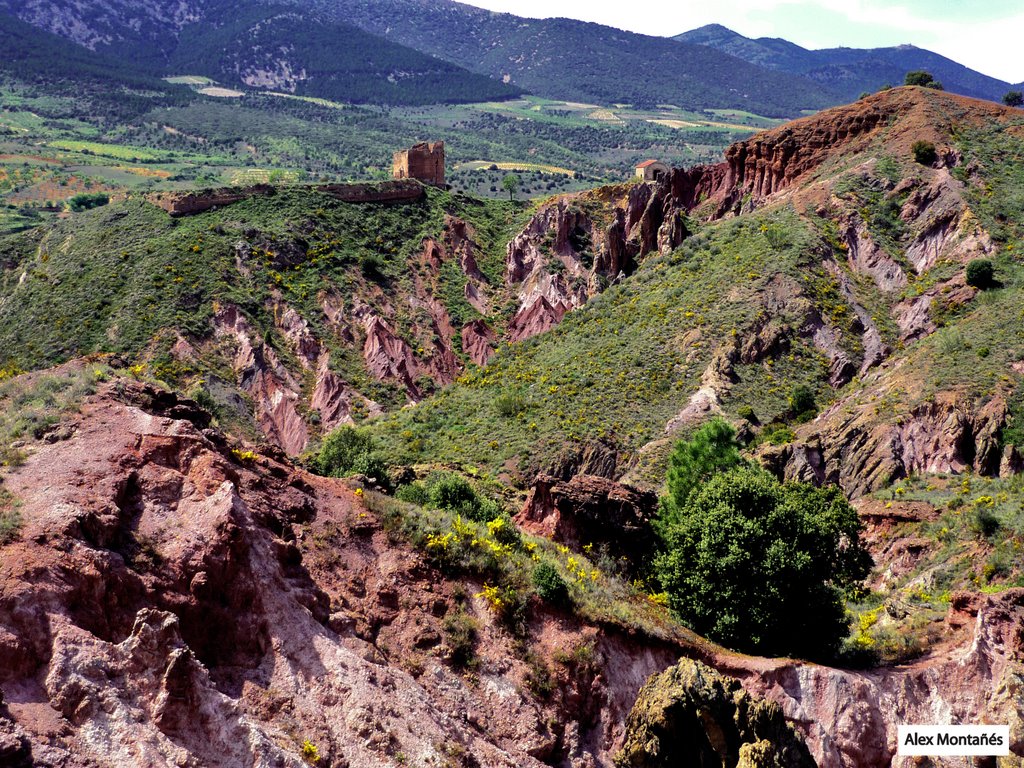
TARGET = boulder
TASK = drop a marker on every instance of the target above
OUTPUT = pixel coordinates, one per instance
(592, 510)
(694, 716)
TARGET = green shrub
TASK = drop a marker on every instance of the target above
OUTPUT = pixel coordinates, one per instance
(10, 525)
(86, 200)
(550, 585)
(504, 531)
(776, 434)
(801, 401)
(985, 523)
(761, 566)
(202, 396)
(776, 235)
(1012, 432)
(746, 413)
(451, 492)
(888, 169)
(509, 404)
(460, 633)
(1013, 98)
(374, 467)
(370, 265)
(980, 273)
(922, 78)
(342, 449)
(413, 493)
(454, 493)
(924, 152)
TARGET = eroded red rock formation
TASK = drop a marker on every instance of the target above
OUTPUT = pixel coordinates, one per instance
(170, 602)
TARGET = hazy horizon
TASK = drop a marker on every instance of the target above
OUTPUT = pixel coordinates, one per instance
(977, 35)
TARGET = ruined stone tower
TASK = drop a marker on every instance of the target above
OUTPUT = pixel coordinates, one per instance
(422, 161)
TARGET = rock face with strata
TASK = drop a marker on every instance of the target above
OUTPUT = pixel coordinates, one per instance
(273, 389)
(577, 245)
(853, 448)
(849, 718)
(171, 601)
(590, 510)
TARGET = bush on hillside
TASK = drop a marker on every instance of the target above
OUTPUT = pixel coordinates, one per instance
(801, 402)
(453, 493)
(347, 450)
(550, 585)
(87, 200)
(980, 273)
(924, 152)
(922, 78)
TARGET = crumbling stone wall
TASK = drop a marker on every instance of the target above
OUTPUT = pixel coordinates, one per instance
(189, 203)
(422, 161)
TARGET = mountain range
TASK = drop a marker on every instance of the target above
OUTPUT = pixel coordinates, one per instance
(424, 51)
(848, 72)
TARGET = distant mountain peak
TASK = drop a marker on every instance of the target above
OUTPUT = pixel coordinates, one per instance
(847, 72)
(708, 32)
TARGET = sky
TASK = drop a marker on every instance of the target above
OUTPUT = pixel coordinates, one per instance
(984, 35)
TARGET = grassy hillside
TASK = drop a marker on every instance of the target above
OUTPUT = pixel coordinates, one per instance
(620, 369)
(127, 278)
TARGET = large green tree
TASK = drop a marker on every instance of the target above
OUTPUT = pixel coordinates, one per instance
(713, 448)
(762, 566)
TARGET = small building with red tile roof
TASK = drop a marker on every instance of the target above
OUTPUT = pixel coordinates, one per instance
(651, 170)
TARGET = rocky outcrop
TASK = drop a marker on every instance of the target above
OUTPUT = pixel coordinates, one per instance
(172, 601)
(536, 318)
(875, 350)
(862, 453)
(567, 253)
(916, 316)
(388, 356)
(944, 226)
(866, 257)
(792, 713)
(589, 510)
(336, 401)
(478, 341)
(692, 715)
